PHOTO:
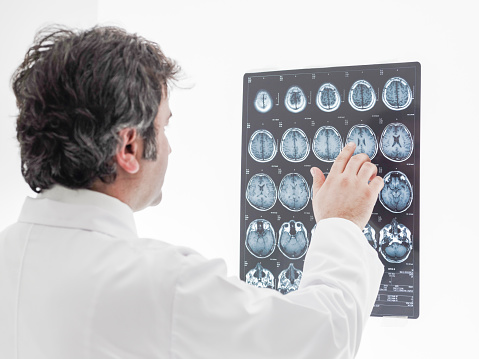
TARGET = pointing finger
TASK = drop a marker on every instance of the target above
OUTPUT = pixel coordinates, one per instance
(343, 158)
(318, 179)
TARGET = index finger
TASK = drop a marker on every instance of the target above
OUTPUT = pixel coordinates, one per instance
(343, 158)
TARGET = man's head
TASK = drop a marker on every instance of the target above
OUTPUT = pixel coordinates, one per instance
(81, 95)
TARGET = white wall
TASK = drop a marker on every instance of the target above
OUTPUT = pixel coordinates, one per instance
(216, 42)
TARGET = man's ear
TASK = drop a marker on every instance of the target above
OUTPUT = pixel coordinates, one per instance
(128, 154)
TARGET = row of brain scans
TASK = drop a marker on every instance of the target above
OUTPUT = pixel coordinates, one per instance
(396, 143)
(396, 95)
(292, 239)
(394, 244)
(294, 192)
(288, 279)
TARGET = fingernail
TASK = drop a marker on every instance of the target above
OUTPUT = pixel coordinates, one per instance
(312, 171)
(351, 144)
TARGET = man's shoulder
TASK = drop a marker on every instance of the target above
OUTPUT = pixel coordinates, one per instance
(156, 252)
(149, 246)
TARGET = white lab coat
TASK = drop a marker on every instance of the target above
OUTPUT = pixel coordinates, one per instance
(77, 282)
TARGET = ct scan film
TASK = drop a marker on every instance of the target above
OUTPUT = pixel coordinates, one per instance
(296, 119)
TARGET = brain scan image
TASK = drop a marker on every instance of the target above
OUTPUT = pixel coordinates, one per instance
(327, 144)
(362, 96)
(395, 242)
(396, 142)
(397, 94)
(295, 100)
(289, 279)
(261, 192)
(294, 192)
(396, 195)
(260, 277)
(328, 98)
(294, 145)
(365, 140)
(262, 146)
(260, 238)
(370, 234)
(293, 240)
(263, 101)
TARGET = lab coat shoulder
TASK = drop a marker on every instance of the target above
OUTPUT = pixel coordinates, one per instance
(132, 307)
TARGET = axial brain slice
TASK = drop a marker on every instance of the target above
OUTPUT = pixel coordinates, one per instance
(260, 277)
(261, 192)
(289, 279)
(397, 94)
(396, 142)
(260, 238)
(362, 96)
(262, 146)
(263, 101)
(396, 195)
(395, 242)
(293, 239)
(365, 140)
(327, 143)
(294, 192)
(294, 145)
(295, 100)
(328, 98)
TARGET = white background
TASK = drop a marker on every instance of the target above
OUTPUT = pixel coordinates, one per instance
(216, 42)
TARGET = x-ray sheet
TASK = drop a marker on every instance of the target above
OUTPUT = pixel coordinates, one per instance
(296, 119)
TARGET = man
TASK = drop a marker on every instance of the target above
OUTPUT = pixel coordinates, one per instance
(75, 279)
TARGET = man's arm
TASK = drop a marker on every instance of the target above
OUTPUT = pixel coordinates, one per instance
(215, 316)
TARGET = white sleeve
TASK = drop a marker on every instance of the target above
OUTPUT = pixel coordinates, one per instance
(215, 316)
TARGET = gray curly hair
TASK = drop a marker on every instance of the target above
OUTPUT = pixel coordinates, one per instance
(75, 91)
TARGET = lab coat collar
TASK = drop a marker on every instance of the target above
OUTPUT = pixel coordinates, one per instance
(81, 209)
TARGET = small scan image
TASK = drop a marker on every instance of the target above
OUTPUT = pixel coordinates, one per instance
(263, 101)
(327, 143)
(397, 94)
(295, 99)
(261, 192)
(362, 96)
(365, 140)
(294, 145)
(260, 277)
(260, 238)
(396, 142)
(289, 279)
(370, 234)
(293, 239)
(396, 195)
(294, 192)
(262, 146)
(328, 98)
(395, 242)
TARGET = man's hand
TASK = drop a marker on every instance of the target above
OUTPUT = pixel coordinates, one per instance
(346, 192)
